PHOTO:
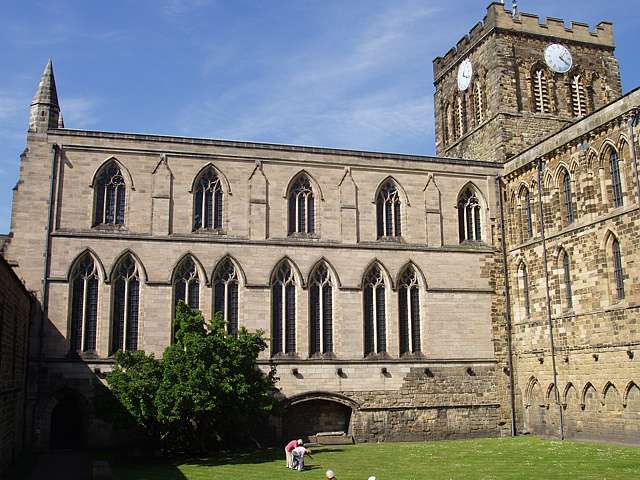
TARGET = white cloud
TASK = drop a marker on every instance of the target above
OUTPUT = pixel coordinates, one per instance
(326, 96)
(79, 112)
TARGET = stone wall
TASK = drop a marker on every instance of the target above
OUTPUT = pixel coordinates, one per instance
(595, 331)
(15, 314)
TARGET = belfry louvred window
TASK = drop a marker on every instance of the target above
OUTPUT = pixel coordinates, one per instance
(469, 217)
(461, 117)
(84, 306)
(302, 209)
(283, 311)
(409, 312)
(321, 311)
(566, 273)
(540, 92)
(207, 199)
(375, 338)
(225, 295)
(388, 211)
(126, 304)
(110, 193)
(187, 283)
(478, 100)
(578, 97)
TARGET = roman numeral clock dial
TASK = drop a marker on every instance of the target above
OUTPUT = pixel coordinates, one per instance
(558, 58)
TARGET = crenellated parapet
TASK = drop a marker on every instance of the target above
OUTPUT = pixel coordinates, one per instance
(500, 18)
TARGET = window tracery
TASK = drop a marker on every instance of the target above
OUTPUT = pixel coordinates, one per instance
(375, 339)
(110, 193)
(321, 311)
(84, 306)
(225, 295)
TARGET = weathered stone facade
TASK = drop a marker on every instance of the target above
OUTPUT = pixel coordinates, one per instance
(595, 332)
(17, 307)
(476, 368)
(504, 52)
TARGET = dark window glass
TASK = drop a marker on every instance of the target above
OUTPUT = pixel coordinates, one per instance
(207, 200)
(614, 165)
(84, 306)
(527, 206)
(225, 294)
(409, 312)
(388, 211)
(321, 311)
(568, 198)
(110, 193)
(283, 302)
(374, 312)
(301, 207)
(469, 217)
(126, 305)
(525, 291)
(567, 281)
(617, 269)
(187, 283)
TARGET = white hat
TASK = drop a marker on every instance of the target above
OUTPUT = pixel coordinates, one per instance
(300, 442)
(330, 474)
(371, 478)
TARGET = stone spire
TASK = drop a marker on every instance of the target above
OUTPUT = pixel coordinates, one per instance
(45, 111)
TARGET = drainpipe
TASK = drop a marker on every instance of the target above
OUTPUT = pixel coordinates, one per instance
(507, 306)
(45, 278)
(633, 121)
(548, 299)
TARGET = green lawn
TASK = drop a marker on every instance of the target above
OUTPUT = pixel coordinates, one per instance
(505, 458)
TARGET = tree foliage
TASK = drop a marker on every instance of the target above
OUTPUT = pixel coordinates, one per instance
(206, 390)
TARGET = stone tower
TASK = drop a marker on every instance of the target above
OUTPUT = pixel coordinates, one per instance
(514, 80)
(45, 111)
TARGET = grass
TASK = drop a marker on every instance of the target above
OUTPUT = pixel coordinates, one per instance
(495, 459)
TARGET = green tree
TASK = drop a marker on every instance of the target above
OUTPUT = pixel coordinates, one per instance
(207, 389)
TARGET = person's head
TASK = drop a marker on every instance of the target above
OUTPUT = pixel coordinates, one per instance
(300, 442)
(330, 475)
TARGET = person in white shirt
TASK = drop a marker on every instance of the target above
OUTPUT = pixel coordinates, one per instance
(298, 457)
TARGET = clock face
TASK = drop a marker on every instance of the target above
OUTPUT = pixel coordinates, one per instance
(558, 57)
(465, 71)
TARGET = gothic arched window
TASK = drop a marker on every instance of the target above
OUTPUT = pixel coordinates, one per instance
(207, 201)
(126, 305)
(110, 196)
(225, 294)
(540, 88)
(618, 273)
(478, 101)
(388, 211)
(321, 311)
(469, 216)
(568, 198)
(566, 276)
(375, 337)
(283, 310)
(409, 312)
(302, 207)
(524, 286)
(84, 305)
(578, 97)
(528, 213)
(616, 183)
(186, 283)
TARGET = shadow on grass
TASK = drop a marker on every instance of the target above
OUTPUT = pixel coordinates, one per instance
(146, 468)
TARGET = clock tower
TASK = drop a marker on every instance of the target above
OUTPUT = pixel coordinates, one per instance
(513, 80)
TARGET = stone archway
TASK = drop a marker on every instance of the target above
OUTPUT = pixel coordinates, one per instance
(67, 422)
(305, 416)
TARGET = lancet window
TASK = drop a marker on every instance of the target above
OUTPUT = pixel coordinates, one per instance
(409, 312)
(375, 339)
(321, 311)
(283, 310)
(469, 216)
(187, 283)
(225, 294)
(110, 196)
(207, 199)
(388, 211)
(302, 207)
(541, 92)
(84, 306)
(126, 305)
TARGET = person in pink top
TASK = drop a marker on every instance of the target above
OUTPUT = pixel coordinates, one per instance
(288, 451)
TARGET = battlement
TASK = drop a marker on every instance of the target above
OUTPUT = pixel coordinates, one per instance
(500, 18)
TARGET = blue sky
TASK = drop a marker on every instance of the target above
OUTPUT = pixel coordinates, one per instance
(336, 73)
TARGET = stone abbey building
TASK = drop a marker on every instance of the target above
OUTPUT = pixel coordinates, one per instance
(491, 289)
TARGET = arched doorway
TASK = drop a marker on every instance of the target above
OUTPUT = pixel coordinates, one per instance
(309, 415)
(67, 423)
